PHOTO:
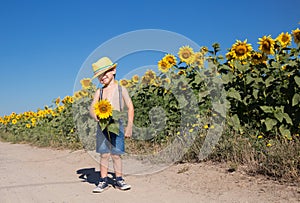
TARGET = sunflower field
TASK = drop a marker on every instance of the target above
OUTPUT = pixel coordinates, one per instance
(251, 96)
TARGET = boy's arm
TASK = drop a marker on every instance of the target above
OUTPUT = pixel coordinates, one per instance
(95, 100)
(130, 114)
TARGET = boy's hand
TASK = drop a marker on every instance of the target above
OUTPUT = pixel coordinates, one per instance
(96, 118)
(128, 131)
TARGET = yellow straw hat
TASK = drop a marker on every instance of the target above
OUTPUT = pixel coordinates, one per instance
(102, 65)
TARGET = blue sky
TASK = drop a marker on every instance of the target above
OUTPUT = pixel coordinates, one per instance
(43, 44)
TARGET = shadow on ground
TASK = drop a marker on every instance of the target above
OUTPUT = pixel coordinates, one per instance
(92, 176)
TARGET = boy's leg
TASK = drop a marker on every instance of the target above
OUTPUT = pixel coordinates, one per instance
(120, 183)
(104, 160)
(117, 161)
(103, 182)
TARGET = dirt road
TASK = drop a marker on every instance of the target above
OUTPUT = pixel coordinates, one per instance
(30, 174)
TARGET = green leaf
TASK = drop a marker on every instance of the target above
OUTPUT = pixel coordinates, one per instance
(103, 123)
(267, 109)
(242, 68)
(182, 101)
(255, 93)
(249, 79)
(234, 94)
(258, 80)
(203, 94)
(292, 63)
(226, 78)
(235, 122)
(287, 118)
(279, 116)
(220, 108)
(269, 81)
(296, 99)
(119, 115)
(270, 123)
(285, 132)
(297, 80)
(114, 127)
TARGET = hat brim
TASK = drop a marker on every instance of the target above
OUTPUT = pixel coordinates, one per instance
(104, 70)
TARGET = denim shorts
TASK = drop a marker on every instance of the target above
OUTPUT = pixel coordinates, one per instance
(110, 142)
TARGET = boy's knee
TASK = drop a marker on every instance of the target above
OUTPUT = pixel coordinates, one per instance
(105, 156)
(115, 157)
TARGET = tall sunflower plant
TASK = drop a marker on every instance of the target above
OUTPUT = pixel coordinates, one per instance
(108, 117)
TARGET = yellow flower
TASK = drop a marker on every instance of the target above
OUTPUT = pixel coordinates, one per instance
(241, 50)
(186, 54)
(229, 55)
(14, 121)
(266, 45)
(66, 99)
(258, 58)
(204, 49)
(151, 74)
(60, 108)
(284, 39)
(191, 130)
(205, 127)
(163, 66)
(146, 80)
(83, 93)
(269, 145)
(57, 100)
(13, 114)
(124, 82)
(181, 72)
(283, 67)
(71, 100)
(296, 35)
(170, 59)
(260, 137)
(86, 83)
(77, 95)
(166, 81)
(135, 78)
(28, 125)
(199, 59)
(103, 109)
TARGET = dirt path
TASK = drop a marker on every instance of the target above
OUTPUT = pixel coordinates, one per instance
(30, 174)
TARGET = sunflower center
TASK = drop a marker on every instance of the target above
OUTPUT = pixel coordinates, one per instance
(103, 109)
(124, 83)
(285, 38)
(297, 36)
(256, 57)
(266, 44)
(241, 50)
(186, 55)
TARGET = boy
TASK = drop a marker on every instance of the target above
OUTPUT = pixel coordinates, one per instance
(110, 144)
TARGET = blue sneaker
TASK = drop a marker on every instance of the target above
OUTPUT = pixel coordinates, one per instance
(120, 184)
(101, 186)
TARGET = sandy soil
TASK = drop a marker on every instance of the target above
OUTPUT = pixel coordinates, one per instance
(30, 174)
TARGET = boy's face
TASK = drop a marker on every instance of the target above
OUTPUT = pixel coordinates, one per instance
(106, 77)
